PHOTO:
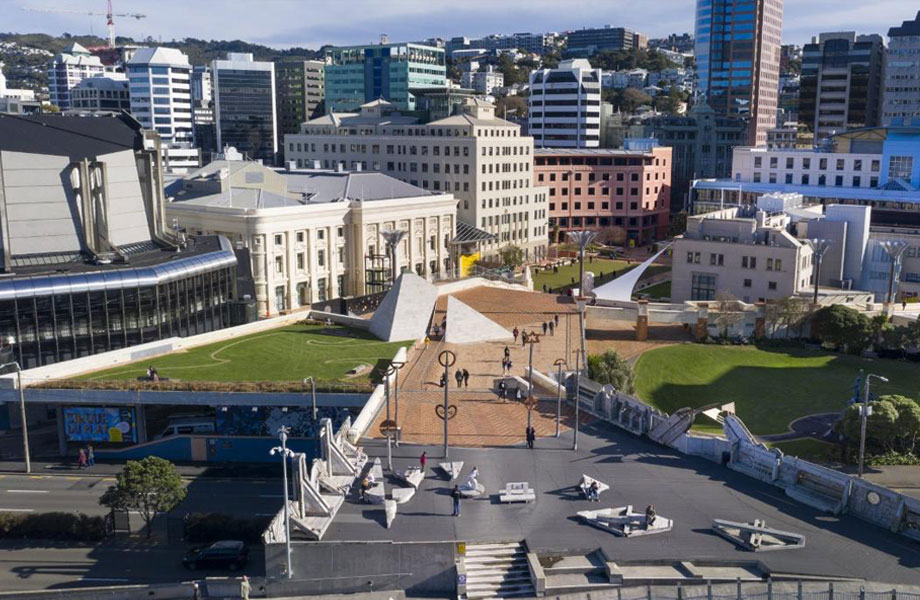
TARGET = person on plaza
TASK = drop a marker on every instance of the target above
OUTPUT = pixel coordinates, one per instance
(437, 330)
(545, 327)
(90, 456)
(650, 516)
(510, 365)
(507, 352)
(196, 591)
(594, 492)
(552, 328)
(515, 333)
(365, 485)
(422, 460)
(544, 288)
(466, 378)
(456, 496)
(81, 458)
(245, 588)
(502, 388)
(517, 394)
(427, 341)
(523, 341)
(459, 377)
(443, 382)
(903, 304)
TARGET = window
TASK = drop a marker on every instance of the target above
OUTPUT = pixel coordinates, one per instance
(778, 264)
(279, 265)
(716, 259)
(321, 258)
(279, 239)
(841, 164)
(748, 262)
(747, 283)
(769, 264)
(703, 287)
(758, 162)
(300, 261)
(771, 285)
(299, 237)
(900, 167)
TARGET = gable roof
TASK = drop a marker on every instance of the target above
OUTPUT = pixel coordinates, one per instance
(71, 136)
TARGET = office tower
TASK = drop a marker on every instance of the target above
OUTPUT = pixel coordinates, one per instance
(108, 93)
(841, 85)
(201, 86)
(565, 105)
(67, 70)
(738, 56)
(300, 90)
(393, 72)
(161, 99)
(586, 42)
(902, 75)
(244, 105)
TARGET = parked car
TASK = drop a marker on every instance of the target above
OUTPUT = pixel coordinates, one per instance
(226, 554)
(188, 426)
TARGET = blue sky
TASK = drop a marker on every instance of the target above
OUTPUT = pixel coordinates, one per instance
(312, 23)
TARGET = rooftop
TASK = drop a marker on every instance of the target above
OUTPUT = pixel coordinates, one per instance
(812, 191)
(62, 135)
(169, 57)
(589, 152)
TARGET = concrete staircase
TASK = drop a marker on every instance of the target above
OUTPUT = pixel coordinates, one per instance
(577, 574)
(497, 571)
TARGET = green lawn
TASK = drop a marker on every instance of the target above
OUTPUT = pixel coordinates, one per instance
(770, 386)
(810, 449)
(563, 278)
(285, 354)
(657, 291)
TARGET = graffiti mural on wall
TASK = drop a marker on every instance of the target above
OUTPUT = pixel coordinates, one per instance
(266, 420)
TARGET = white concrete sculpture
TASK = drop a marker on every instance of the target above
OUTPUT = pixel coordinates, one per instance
(621, 288)
(413, 476)
(624, 522)
(406, 310)
(517, 492)
(467, 326)
(452, 469)
(585, 486)
(471, 488)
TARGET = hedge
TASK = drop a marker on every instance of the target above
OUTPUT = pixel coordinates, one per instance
(203, 528)
(266, 387)
(52, 526)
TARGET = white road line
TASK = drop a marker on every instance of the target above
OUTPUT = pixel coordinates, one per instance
(17, 510)
(28, 491)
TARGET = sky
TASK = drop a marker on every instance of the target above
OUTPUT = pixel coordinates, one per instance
(313, 23)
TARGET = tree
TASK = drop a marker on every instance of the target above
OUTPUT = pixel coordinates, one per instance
(611, 368)
(670, 103)
(512, 105)
(678, 224)
(150, 486)
(633, 99)
(879, 326)
(512, 256)
(841, 327)
(729, 312)
(881, 426)
(907, 426)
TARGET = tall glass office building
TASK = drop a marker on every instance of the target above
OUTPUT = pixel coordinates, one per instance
(360, 74)
(244, 106)
(738, 46)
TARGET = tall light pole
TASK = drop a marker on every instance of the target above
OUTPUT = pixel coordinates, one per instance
(577, 398)
(447, 360)
(530, 338)
(392, 239)
(560, 362)
(819, 247)
(864, 412)
(582, 239)
(396, 366)
(895, 250)
(22, 413)
(312, 394)
(285, 454)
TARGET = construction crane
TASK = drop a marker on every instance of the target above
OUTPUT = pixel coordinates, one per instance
(109, 15)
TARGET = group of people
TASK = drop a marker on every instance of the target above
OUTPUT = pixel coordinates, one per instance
(462, 376)
(152, 374)
(86, 457)
(593, 492)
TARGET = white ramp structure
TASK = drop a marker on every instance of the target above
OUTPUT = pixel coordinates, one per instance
(406, 310)
(621, 288)
(468, 326)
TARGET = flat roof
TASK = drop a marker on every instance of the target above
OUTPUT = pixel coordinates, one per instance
(813, 191)
(590, 152)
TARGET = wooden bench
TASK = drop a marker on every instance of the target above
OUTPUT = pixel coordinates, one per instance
(517, 492)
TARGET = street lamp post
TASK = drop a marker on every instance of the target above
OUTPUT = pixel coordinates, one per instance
(582, 239)
(447, 360)
(560, 362)
(863, 419)
(312, 394)
(392, 239)
(819, 247)
(393, 370)
(530, 338)
(577, 399)
(22, 413)
(285, 454)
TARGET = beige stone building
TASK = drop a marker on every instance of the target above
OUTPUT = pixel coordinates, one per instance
(482, 160)
(316, 235)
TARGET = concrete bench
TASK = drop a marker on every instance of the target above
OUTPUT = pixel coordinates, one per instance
(586, 483)
(413, 476)
(452, 469)
(337, 484)
(377, 493)
(517, 492)
(389, 507)
(402, 495)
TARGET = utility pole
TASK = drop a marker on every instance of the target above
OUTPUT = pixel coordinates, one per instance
(22, 414)
(560, 362)
(577, 399)
(864, 412)
(530, 338)
(285, 453)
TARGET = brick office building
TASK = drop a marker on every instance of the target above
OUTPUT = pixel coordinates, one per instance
(628, 188)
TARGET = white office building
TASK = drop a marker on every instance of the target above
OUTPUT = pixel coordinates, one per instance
(902, 75)
(483, 160)
(484, 81)
(67, 70)
(565, 106)
(316, 235)
(159, 82)
(106, 93)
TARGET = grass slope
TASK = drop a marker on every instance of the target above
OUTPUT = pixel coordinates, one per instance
(770, 386)
(285, 354)
(600, 265)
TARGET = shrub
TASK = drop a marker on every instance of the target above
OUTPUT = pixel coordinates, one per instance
(204, 528)
(266, 387)
(52, 526)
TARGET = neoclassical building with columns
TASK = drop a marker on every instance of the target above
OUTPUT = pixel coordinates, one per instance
(315, 235)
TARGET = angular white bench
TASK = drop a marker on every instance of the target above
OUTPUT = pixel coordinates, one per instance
(452, 469)
(389, 507)
(413, 476)
(586, 483)
(624, 522)
(402, 495)
(377, 493)
(517, 492)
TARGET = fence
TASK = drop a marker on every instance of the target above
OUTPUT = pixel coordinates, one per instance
(771, 590)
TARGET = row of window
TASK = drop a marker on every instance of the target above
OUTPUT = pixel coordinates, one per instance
(747, 262)
(806, 163)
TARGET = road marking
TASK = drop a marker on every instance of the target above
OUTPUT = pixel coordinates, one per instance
(17, 510)
(28, 491)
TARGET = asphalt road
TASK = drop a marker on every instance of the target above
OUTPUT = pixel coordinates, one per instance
(30, 565)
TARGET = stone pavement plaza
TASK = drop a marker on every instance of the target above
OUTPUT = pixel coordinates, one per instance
(482, 419)
(690, 490)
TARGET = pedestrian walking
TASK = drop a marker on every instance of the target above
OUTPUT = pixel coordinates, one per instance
(81, 458)
(456, 496)
(515, 333)
(510, 366)
(552, 328)
(466, 378)
(502, 388)
(556, 319)
(427, 341)
(507, 352)
(437, 330)
(196, 591)
(524, 340)
(90, 456)
(544, 288)
(459, 377)
(545, 327)
(422, 461)
(443, 382)
(903, 304)
(245, 588)
(528, 438)
(517, 394)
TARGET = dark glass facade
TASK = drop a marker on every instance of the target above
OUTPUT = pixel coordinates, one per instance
(52, 318)
(246, 112)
